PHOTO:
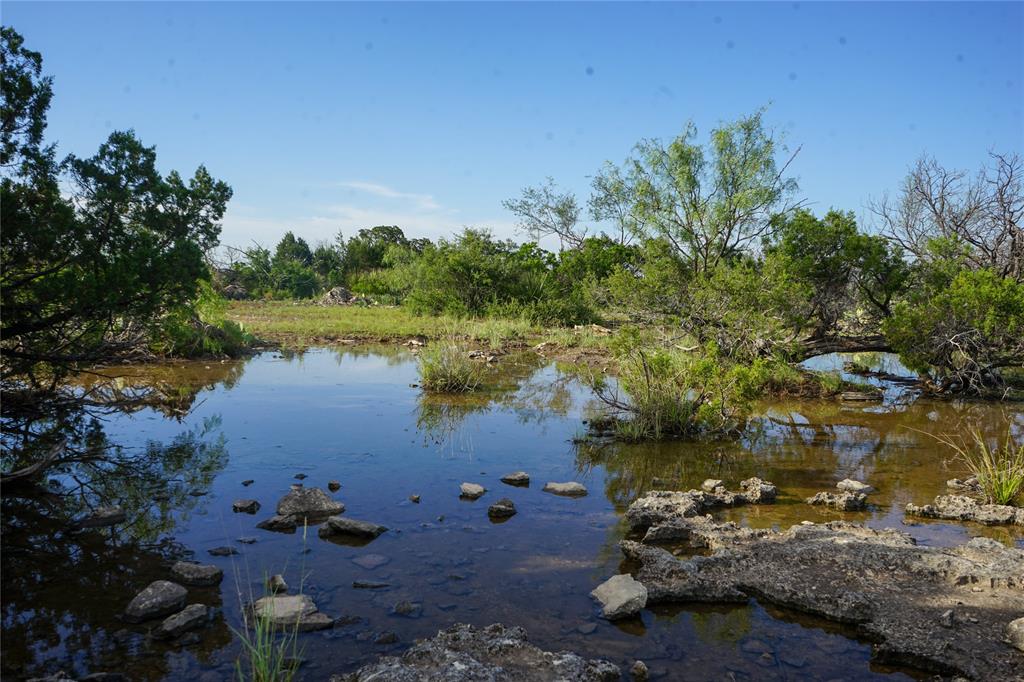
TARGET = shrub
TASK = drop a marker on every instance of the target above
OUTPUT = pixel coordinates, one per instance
(200, 329)
(445, 367)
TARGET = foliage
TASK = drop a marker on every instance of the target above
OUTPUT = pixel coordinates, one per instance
(998, 466)
(200, 328)
(445, 367)
(88, 269)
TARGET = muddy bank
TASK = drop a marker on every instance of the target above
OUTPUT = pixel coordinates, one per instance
(944, 610)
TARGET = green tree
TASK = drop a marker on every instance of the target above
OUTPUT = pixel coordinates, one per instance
(292, 248)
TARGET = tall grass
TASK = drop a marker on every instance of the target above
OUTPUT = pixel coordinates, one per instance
(445, 367)
(998, 466)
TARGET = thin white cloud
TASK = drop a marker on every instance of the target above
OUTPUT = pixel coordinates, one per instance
(425, 202)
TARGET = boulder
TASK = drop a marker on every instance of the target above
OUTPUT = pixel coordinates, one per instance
(471, 491)
(756, 491)
(198, 575)
(568, 489)
(340, 525)
(517, 478)
(337, 296)
(310, 503)
(245, 506)
(840, 501)
(160, 598)
(620, 597)
(191, 617)
(495, 653)
(1015, 633)
(849, 485)
(659, 507)
(502, 509)
(710, 485)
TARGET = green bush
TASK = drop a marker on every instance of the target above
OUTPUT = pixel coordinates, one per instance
(200, 329)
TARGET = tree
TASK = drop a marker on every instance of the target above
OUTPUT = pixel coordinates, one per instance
(293, 248)
(89, 272)
(366, 250)
(543, 211)
(711, 202)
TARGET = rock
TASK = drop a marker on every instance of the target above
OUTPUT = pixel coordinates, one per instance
(160, 598)
(471, 491)
(840, 501)
(199, 575)
(384, 638)
(222, 551)
(756, 491)
(334, 486)
(245, 506)
(408, 609)
(102, 517)
(517, 478)
(248, 482)
(639, 671)
(891, 590)
(968, 485)
(963, 508)
(587, 628)
(568, 489)
(301, 477)
(369, 585)
(277, 584)
(191, 617)
(1015, 633)
(862, 396)
(370, 561)
(340, 525)
(415, 499)
(279, 524)
(659, 507)
(495, 653)
(710, 485)
(851, 486)
(337, 296)
(620, 596)
(292, 611)
(308, 502)
(247, 540)
(502, 509)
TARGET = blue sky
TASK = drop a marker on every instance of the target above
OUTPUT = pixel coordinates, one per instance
(329, 116)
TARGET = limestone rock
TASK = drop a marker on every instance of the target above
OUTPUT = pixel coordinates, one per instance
(517, 478)
(849, 485)
(245, 506)
(340, 525)
(840, 501)
(963, 508)
(568, 489)
(279, 524)
(471, 491)
(711, 484)
(292, 610)
(308, 502)
(620, 597)
(502, 509)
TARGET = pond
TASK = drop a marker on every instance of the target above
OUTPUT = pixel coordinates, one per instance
(354, 415)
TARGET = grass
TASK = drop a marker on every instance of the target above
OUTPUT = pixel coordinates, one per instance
(445, 367)
(998, 466)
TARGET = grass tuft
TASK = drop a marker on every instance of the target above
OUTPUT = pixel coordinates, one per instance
(998, 466)
(445, 367)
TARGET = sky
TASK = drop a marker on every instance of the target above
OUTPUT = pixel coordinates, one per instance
(328, 117)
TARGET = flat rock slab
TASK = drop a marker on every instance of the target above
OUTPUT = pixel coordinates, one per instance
(839, 501)
(308, 502)
(222, 551)
(370, 561)
(567, 489)
(199, 575)
(279, 524)
(471, 491)
(495, 653)
(160, 598)
(936, 609)
(340, 525)
(191, 617)
(620, 597)
(245, 506)
(291, 611)
(849, 485)
(517, 478)
(964, 508)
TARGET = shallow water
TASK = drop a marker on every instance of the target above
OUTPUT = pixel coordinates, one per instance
(352, 415)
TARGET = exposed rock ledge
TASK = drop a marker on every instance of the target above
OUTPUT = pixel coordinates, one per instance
(495, 653)
(941, 610)
(963, 508)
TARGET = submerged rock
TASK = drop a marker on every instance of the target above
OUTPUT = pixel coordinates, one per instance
(568, 489)
(620, 597)
(292, 611)
(516, 478)
(160, 598)
(370, 561)
(968, 485)
(222, 551)
(191, 617)
(963, 508)
(495, 653)
(278, 524)
(471, 491)
(407, 609)
(851, 486)
(102, 517)
(893, 591)
(502, 509)
(340, 525)
(308, 502)
(840, 501)
(199, 575)
(334, 486)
